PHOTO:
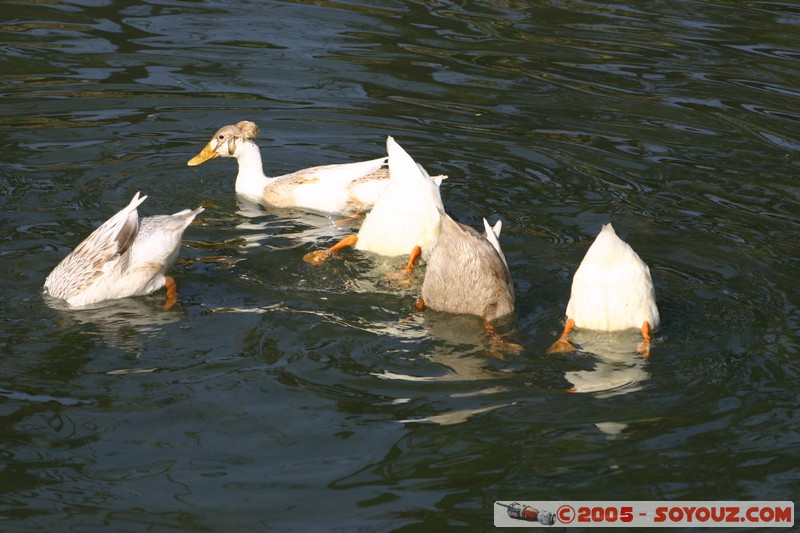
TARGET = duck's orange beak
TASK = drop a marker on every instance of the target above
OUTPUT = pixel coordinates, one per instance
(207, 154)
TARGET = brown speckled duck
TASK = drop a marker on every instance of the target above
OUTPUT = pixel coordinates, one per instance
(467, 273)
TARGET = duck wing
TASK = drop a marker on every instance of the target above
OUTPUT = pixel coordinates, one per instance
(92, 258)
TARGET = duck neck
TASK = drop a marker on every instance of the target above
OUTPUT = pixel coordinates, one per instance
(251, 179)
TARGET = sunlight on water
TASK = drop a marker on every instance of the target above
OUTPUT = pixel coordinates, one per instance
(275, 386)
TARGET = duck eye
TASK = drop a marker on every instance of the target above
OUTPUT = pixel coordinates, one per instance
(221, 136)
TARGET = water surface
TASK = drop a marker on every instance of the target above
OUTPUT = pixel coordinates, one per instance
(281, 396)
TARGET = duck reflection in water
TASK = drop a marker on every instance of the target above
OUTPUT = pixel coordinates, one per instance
(125, 323)
(458, 355)
(459, 350)
(616, 367)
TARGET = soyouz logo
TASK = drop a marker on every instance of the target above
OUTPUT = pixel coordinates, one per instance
(644, 513)
(727, 514)
(531, 514)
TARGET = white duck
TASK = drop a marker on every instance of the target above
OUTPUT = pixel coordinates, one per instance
(406, 217)
(125, 256)
(612, 290)
(345, 188)
(467, 273)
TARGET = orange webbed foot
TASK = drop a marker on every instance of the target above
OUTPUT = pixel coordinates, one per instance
(172, 293)
(644, 349)
(403, 276)
(644, 346)
(498, 346)
(562, 345)
(318, 257)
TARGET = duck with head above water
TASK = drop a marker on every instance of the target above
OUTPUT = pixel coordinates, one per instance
(346, 188)
(611, 291)
(125, 256)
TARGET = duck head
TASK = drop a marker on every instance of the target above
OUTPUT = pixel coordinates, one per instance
(226, 141)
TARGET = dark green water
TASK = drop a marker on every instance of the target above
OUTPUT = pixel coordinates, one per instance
(281, 396)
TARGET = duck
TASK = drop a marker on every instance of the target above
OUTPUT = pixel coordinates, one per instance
(126, 256)
(467, 273)
(349, 188)
(405, 219)
(612, 290)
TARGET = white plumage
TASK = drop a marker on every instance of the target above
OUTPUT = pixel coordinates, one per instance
(612, 288)
(405, 218)
(125, 256)
(344, 188)
(408, 211)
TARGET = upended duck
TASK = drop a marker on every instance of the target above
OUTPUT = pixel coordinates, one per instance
(611, 291)
(467, 273)
(125, 256)
(344, 188)
(404, 220)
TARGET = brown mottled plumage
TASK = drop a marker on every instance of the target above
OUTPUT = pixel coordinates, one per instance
(467, 273)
